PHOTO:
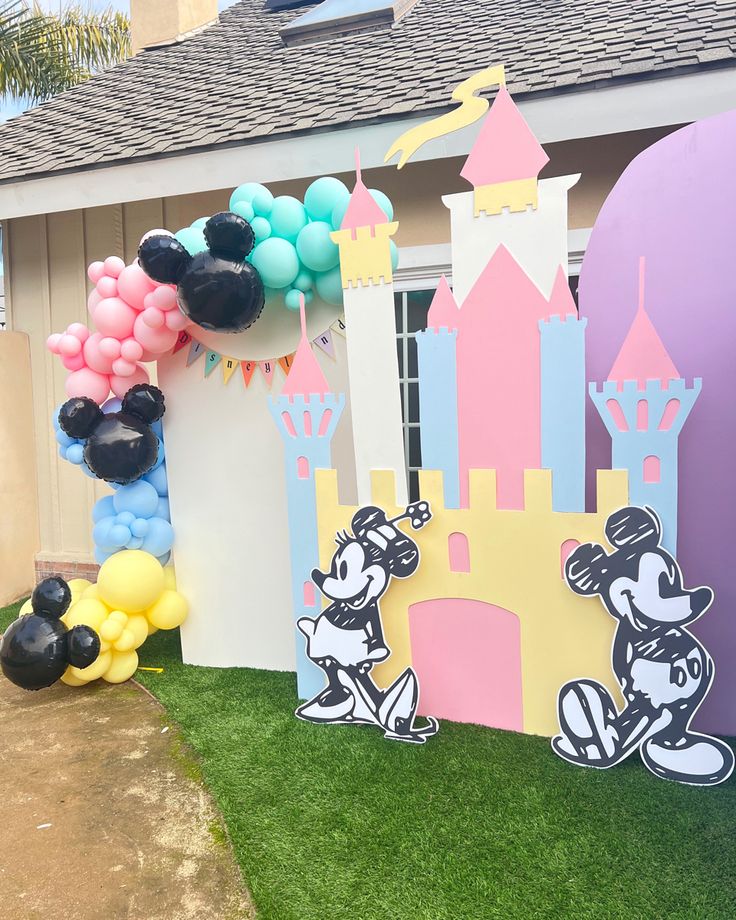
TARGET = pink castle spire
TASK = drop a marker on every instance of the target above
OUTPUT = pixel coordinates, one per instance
(305, 377)
(643, 356)
(561, 302)
(506, 149)
(363, 210)
(443, 310)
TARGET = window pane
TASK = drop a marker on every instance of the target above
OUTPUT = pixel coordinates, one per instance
(400, 353)
(411, 346)
(415, 448)
(413, 487)
(413, 402)
(398, 302)
(417, 308)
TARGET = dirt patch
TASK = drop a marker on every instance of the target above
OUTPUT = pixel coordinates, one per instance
(103, 814)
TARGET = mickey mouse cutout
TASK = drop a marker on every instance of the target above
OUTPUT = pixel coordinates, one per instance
(346, 639)
(663, 671)
(216, 289)
(37, 648)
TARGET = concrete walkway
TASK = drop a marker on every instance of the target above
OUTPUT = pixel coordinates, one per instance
(102, 814)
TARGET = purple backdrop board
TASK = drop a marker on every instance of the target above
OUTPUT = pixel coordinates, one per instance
(675, 205)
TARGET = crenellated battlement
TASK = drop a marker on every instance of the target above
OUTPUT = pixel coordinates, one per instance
(557, 321)
(365, 254)
(437, 331)
(306, 414)
(667, 406)
(672, 388)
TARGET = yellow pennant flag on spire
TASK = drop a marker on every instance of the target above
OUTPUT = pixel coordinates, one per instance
(471, 108)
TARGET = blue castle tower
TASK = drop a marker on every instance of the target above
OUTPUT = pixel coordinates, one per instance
(306, 414)
(644, 405)
(562, 356)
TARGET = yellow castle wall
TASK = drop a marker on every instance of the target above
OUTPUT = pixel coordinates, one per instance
(515, 564)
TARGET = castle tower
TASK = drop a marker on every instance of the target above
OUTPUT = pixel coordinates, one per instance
(438, 407)
(562, 353)
(644, 405)
(306, 414)
(373, 370)
(509, 205)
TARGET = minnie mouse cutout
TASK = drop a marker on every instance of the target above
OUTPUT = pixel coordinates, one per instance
(663, 671)
(346, 639)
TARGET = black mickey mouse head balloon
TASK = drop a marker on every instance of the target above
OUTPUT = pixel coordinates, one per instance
(37, 648)
(120, 446)
(217, 289)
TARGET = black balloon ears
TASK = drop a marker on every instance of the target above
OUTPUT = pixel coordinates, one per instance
(145, 402)
(163, 258)
(82, 646)
(586, 569)
(79, 417)
(51, 598)
(229, 235)
(633, 526)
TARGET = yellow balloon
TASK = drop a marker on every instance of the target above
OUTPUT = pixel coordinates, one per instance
(130, 580)
(111, 630)
(122, 668)
(77, 586)
(95, 670)
(70, 680)
(170, 610)
(170, 577)
(138, 625)
(26, 608)
(91, 591)
(126, 642)
(87, 612)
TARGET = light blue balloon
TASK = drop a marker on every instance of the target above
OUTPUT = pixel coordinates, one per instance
(383, 202)
(160, 537)
(102, 508)
(304, 281)
(139, 527)
(102, 555)
(157, 428)
(88, 472)
(192, 240)
(157, 478)
(323, 195)
(292, 299)
(261, 229)
(287, 217)
(315, 248)
(199, 223)
(118, 535)
(243, 209)
(163, 510)
(138, 498)
(135, 543)
(394, 254)
(161, 455)
(329, 286)
(63, 440)
(125, 518)
(164, 559)
(276, 261)
(75, 453)
(113, 404)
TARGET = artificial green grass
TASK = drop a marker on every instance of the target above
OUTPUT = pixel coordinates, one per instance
(334, 822)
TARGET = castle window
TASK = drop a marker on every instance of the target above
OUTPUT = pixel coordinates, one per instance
(669, 414)
(565, 550)
(288, 424)
(324, 423)
(308, 423)
(652, 469)
(617, 414)
(302, 467)
(309, 599)
(459, 552)
(642, 415)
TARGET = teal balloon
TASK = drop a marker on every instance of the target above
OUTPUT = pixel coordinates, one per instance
(304, 281)
(338, 213)
(247, 193)
(394, 254)
(329, 286)
(276, 261)
(243, 209)
(199, 223)
(323, 195)
(263, 202)
(292, 298)
(287, 217)
(308, 297)
(316, 249)
(383, 202)
(192, 239)
(261, 228)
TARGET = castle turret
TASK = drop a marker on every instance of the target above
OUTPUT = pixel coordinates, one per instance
(644, 405)
(438, 407)
(364, 239)
(562, 353)
(306, 414)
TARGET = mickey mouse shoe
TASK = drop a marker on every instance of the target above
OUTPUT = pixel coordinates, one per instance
(695, 759)
(587, 717)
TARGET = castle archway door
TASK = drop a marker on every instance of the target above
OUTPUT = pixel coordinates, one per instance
(467, 656)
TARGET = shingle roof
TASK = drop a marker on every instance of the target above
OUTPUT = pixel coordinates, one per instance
(235, 82)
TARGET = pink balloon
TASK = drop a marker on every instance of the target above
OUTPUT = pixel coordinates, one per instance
(176, 320)
(131, 350)
(97, 359)
(114, 317)
(69, 346)
(123, 368)
(113, 266)
(163, 297)
(107, 286)
(75, 362)
(92, 301)
(79, 330)
(95, 271)
(86, 382)
(52, 342)
(158, 340)
(121, 385)
(153, 317)
(109, 347)
(134, 285)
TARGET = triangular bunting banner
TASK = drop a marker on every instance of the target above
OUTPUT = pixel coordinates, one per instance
(339, 326)
(267, 371)
(211, 362)
(248, 369)
(181, 340)
(286, 362)
(195, 350)
(325, 342)
(229, 366)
